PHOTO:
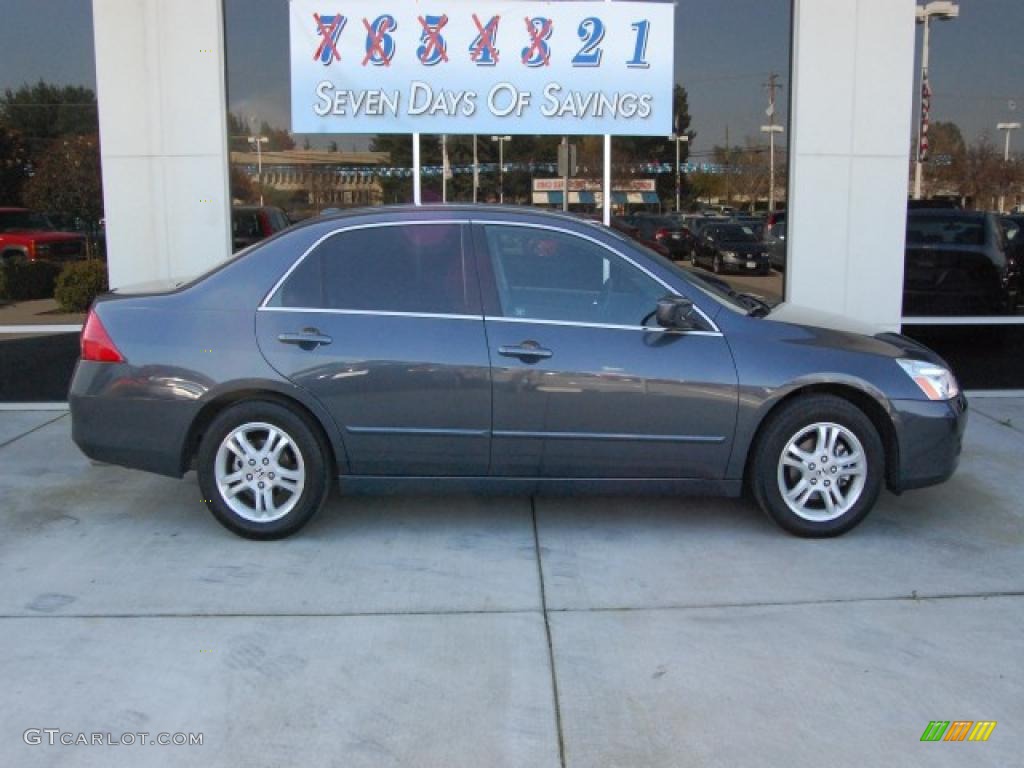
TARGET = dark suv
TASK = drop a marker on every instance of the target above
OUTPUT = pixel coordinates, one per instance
(957, 263)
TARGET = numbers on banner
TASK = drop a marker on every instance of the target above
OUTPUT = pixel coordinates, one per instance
(538, 52)
(591, 32)
(380, 45)
(484, 48)
(639, 60)
(434, 49)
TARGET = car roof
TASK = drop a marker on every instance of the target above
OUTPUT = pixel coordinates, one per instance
(946, 213)
(469, 209)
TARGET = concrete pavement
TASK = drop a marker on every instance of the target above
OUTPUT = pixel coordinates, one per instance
(471, 631)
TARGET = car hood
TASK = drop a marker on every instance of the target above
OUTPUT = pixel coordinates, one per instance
(840, 331)
(42, 235)
(742, 246)
(797, 315)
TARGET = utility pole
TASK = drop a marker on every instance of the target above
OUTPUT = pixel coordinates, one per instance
(728, 167)
(771, 129)
(1008, 128)
(944, 10)
(476, 169)
(501, 165)
(565, 177)
(677, 138)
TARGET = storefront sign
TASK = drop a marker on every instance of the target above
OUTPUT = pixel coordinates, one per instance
(592, 185)
(458, 66)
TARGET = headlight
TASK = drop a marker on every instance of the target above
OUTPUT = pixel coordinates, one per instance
(728, 254)
(936, 382)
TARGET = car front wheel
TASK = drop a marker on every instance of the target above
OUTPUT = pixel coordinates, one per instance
(262, 470)
(818, 466)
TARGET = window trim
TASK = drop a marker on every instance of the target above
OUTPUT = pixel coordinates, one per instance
(467, 256)
(715, 330)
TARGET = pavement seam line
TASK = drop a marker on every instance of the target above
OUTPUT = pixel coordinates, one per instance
(1000, 422)
(547, 633)
(34, 429)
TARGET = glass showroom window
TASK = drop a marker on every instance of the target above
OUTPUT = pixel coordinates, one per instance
(724, 163)
(52, 245)
(962, 289)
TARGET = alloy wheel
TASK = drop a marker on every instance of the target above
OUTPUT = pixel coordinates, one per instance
(260, 472)
(822, 471)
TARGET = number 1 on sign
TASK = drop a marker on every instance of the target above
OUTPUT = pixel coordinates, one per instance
(639, 60)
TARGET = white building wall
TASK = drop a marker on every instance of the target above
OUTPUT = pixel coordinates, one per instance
(852, 99)
(160, 72)
(161, 89)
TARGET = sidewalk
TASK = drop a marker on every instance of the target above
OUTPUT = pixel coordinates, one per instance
(470, 631)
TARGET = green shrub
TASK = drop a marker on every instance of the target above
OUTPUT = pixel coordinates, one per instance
(79, 283)
(27, 280)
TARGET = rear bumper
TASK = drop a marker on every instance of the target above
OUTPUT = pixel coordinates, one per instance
(139, 433)
(930, 436)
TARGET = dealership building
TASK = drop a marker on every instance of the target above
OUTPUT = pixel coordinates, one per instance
(169, 74)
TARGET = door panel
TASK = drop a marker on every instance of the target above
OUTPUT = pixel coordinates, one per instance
(606, 397)
(383, 324)
(412, 395)
(611, 402)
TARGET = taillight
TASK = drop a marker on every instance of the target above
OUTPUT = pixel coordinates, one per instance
(96, 342)
(661, 234)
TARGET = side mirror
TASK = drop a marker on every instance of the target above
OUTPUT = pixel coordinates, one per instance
(674, 313)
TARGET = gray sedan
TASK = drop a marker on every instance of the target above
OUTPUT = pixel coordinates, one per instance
(498, 349)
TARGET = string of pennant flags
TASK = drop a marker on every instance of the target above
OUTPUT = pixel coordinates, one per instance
(528, 167)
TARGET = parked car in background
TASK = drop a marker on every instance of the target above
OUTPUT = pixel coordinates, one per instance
(666, 235)
(493, 349)
(774, 238)
(621, 224)
(29, 236)
(1013, 233)
(252, 223)
(957, 263)
(731, 248)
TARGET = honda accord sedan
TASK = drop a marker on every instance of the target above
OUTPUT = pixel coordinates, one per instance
(498, 349)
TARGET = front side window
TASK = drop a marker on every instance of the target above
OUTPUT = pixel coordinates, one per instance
(547, 275)
(417, 268)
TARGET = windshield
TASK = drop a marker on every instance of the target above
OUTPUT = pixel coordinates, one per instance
(733, 234)
(14, 220)
(955, 229)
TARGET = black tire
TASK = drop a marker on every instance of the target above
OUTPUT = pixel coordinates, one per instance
(305, 439)
(786, 423)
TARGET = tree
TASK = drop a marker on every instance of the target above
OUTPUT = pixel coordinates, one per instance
(67, 180)
(43, 112)
(630, 150)
(13, 166)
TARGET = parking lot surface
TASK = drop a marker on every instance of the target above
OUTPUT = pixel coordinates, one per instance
(471, 631)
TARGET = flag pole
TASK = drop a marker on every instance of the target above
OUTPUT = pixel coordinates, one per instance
(417, 198)
(606, 195)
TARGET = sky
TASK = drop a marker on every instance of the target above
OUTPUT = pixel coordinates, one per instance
(725, 50)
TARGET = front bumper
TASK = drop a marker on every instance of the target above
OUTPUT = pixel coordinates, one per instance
(930, 436)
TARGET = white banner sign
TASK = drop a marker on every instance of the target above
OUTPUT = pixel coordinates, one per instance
(458, 66)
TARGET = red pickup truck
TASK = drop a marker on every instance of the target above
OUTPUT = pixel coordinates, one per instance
(29, 236)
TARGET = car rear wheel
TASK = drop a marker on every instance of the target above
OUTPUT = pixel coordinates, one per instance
(817, 468)
(263, 470)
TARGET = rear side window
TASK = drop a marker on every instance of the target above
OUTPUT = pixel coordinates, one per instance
(945, 230)
(420, 268)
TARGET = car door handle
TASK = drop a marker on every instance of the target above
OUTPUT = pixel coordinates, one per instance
(528, 349)
(309, 338)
